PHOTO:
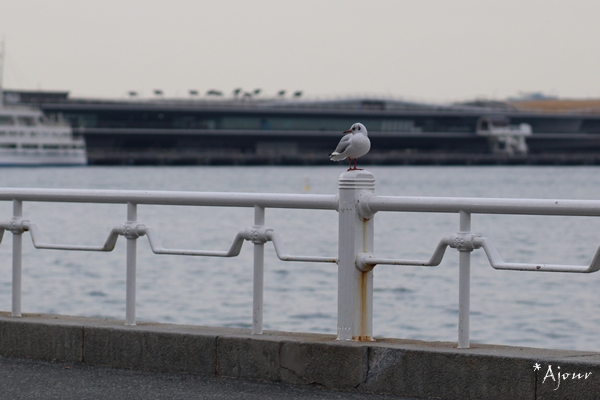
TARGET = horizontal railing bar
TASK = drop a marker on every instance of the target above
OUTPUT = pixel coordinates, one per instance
(156, 247)
(366, 261)
(497, 262)
(284, 256)
(308, 201)
(582, 208)
(221, 199)
(38, 243)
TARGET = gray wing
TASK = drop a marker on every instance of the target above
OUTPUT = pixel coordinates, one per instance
(343, 144)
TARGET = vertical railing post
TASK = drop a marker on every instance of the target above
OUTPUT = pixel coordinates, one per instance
(355, 287)
(259, 271)
(464, 285)
(131, 268)
(17, 256)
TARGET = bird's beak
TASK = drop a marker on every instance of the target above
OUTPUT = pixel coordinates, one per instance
(347, 131)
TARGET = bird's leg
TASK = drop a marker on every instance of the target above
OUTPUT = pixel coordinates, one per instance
(351, 167)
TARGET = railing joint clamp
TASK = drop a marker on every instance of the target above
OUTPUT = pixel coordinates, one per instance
(257, 234)
(17, 225)
(132, 230)
(362, 262)
(464, 242)
(362, 205)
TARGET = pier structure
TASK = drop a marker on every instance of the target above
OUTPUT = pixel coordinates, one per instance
(302, 132)
(351, 360)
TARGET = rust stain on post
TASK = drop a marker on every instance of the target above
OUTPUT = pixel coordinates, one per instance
(363, 337)
(364, 279)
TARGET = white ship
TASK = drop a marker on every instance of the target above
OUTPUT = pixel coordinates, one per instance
(503, 137)
(27, 137)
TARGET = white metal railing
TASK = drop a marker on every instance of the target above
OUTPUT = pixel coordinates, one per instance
(356, 204)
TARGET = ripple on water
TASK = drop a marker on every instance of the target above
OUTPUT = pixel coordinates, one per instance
(392, 290)
(312, 316)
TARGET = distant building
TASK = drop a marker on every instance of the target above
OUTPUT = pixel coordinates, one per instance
(240, 130)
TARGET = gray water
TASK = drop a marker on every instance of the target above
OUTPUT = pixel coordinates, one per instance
(554, 310)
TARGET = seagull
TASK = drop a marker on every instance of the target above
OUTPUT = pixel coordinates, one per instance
(354, 144)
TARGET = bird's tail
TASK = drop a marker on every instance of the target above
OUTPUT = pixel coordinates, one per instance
(335, 156)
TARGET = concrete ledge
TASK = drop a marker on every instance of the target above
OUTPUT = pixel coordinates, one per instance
(391, 366)
(29, 338)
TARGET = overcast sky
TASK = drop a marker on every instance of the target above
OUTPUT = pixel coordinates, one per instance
(429, 50)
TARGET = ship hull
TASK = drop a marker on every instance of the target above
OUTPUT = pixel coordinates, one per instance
(12, 157)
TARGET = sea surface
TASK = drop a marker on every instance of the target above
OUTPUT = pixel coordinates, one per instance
(535, 309)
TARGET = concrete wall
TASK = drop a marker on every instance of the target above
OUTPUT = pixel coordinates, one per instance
(392, 366)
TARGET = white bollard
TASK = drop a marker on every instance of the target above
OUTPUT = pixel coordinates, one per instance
(355, 288)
